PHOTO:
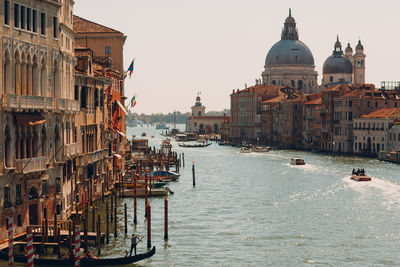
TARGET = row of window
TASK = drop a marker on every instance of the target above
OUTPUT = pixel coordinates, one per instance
(26, 18)
(7, 196)
(370, 126)
(371, 147)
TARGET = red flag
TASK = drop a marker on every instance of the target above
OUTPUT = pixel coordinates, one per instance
(115, 118)
(108, 94)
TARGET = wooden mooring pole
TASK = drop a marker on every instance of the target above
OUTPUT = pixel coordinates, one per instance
(148, 208)
(166, 218)
(126, 218)
(112, 205)
(115, 221)
(98, 234)
(193, 174)
(134, 202)
(108, 225)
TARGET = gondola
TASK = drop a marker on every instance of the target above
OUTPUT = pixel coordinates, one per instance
(194, 145)
(83, 261)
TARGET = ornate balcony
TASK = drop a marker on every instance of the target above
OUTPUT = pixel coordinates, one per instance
(28, 102)
(72, 150)
(31, 165)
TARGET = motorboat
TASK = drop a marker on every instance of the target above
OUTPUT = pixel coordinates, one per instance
(297, 161)
(244, 149)
(260, 149)
(360, 176)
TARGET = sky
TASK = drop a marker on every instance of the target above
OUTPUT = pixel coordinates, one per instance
(183, 47)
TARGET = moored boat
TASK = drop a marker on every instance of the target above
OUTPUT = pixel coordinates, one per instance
(140, 192)
(244, 150)
(297, 161)
(83, 261)
(260, 149)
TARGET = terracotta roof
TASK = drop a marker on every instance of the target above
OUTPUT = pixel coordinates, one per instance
(316, 101)
(393, 113)
(82, 25)
(259, 89)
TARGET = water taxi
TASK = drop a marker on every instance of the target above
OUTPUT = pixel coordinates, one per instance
(297, 161)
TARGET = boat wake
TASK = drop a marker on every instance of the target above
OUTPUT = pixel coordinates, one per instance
(306, 167)
(390, 191)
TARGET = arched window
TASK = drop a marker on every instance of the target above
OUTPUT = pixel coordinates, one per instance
(44, 142)
(17, 73)
(35, 77)
(58, 144)
(43, 71)
(23, 75)
(7, 72)
(7, 147)
(56, 80)
(293, 83)
(300, 84)
(331, 78)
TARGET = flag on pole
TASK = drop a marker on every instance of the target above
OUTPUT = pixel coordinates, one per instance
(133, 101)
(130, 69)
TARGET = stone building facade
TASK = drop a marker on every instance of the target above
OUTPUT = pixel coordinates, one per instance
(38, 111)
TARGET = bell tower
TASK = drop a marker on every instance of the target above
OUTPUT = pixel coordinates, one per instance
(198, 109)
(359, 64)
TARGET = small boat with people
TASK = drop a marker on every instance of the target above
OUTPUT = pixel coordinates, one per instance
(360, 176)
(260, 149)
(84, 261)
(244, 149)
(297, 161)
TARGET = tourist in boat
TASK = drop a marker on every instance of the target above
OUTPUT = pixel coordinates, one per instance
(135, 240)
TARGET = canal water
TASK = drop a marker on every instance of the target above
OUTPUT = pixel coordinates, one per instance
(258, 210)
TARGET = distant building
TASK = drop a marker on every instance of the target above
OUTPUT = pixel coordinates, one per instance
(373, 132)
(246, 112)
(202, 124)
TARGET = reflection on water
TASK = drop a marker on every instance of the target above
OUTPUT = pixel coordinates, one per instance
(258, 210)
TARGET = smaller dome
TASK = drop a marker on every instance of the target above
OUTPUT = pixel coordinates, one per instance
(290, 19)
(348, 48)
(359, 46)
(337, 64)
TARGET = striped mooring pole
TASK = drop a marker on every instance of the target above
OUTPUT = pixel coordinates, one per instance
(77, 246)
(29, 248)
(10, 242)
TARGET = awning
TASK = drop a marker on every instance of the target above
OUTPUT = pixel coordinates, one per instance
(122, 107)
(31, 119)
(118, 155)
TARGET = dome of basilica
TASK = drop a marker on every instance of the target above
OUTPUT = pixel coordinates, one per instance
(289, 52)
(337, 62)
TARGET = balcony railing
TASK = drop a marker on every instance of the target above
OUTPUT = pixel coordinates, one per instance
(31, 165)
(94, 156)
(72, 150)
(12, 101)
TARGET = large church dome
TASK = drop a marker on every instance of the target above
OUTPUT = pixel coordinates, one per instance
(289, 52)
(337, 62)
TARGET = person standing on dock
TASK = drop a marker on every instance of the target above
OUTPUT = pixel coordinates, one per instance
(135, 239)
